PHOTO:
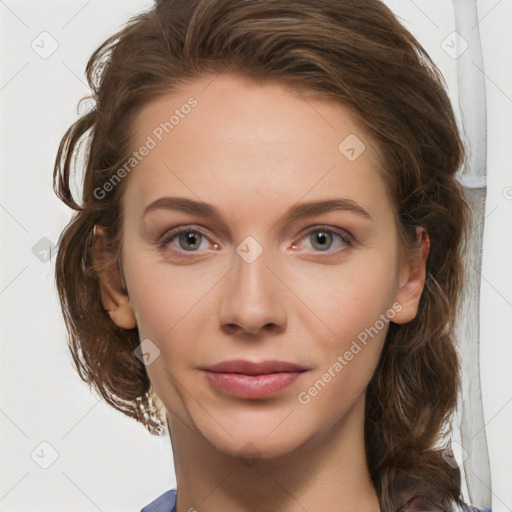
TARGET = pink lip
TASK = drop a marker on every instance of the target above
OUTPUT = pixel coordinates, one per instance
(251, 386)
(247, 379)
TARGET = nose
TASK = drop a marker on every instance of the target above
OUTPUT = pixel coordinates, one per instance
(253, 300)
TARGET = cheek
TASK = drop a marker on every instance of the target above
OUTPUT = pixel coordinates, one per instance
(341, 299)
(165, 298)
(358, 318)
(349, 297)
(354, 304)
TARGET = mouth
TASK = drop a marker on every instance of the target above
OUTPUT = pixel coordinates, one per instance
(251, 386)
(247, 379)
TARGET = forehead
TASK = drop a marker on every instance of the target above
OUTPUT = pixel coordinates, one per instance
(234, 142)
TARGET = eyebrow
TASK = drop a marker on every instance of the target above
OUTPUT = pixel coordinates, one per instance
(296, 212)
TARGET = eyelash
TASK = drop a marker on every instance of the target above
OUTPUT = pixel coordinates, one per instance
(164, 241)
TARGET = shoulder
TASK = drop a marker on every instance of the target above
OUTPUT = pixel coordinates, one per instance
(470, 508)
(164, 503)
(167, 503)
(424, 504)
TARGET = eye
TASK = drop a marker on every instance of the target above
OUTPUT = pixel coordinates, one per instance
(184, 239)
(322, 238)
(189, 239)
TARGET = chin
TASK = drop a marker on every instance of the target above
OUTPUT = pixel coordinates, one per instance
(254, 441)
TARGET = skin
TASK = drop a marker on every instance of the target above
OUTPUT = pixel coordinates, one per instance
(253, 151)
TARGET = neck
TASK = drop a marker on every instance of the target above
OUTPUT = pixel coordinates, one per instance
(326, 472)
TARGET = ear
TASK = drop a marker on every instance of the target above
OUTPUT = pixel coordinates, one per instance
(112, 289)
(412, 279)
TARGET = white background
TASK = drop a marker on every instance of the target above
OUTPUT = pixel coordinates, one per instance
(106, 461)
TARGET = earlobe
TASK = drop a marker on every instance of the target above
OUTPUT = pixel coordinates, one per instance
(124, 316)
(113, 296)
(412, 280)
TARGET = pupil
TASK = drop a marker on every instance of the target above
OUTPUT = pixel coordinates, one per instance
(322, 239)
(190, 238)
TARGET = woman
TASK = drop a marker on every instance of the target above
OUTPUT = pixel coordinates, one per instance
(267, 257)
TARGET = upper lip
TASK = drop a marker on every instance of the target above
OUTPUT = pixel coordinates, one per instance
(254, 368)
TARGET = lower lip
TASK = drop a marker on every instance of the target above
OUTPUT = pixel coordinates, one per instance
(252, 386)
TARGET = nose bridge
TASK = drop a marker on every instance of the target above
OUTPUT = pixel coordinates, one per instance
(252, 298)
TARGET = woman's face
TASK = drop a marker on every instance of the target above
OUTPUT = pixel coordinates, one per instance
(252, 283)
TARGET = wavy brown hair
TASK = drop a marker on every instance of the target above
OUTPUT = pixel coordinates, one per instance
(357, 53)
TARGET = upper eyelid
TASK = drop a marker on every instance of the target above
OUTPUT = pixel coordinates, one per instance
(338, 231)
